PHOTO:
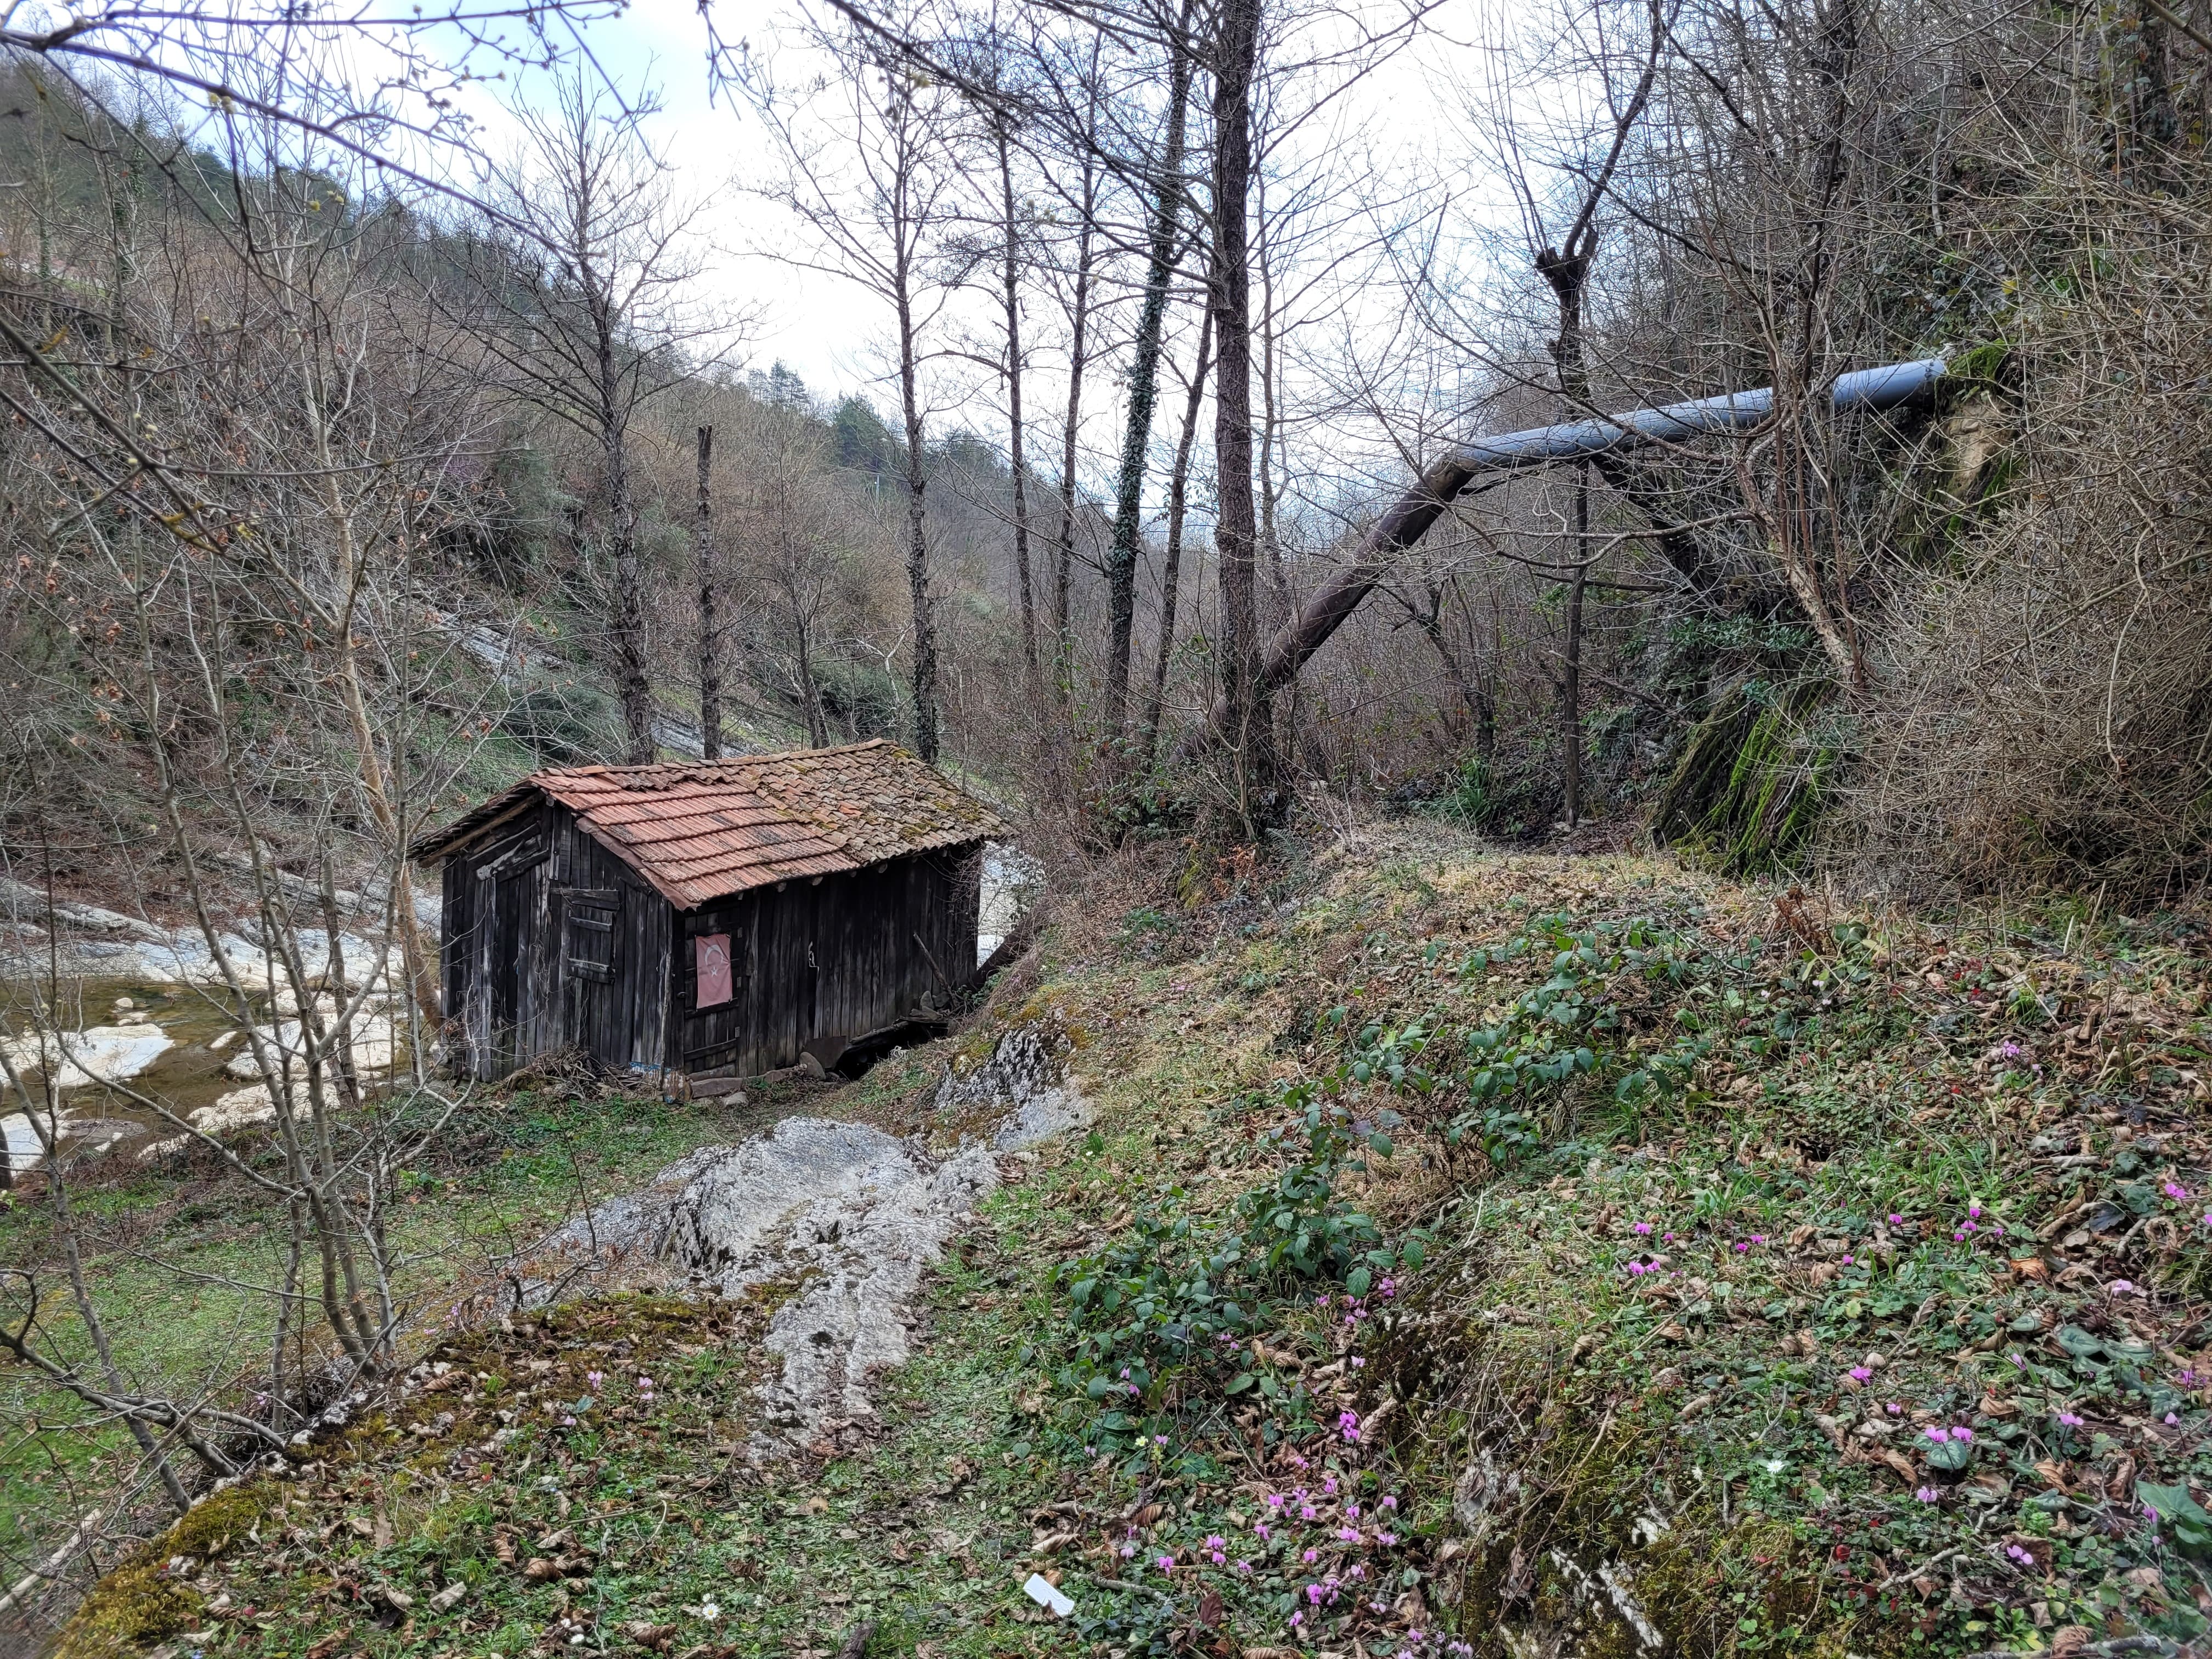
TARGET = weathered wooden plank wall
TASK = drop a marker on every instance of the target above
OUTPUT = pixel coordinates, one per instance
(834, 957)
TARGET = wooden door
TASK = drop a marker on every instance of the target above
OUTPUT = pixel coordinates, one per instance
(590, 971)
(510, 883)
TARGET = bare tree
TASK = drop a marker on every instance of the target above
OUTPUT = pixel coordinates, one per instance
(871, 178)
(590, 310)
(1248, 727)
(710, 626)
(1167, 188)
(1171, 559)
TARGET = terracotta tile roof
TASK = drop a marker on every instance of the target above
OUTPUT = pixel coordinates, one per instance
(704, 829)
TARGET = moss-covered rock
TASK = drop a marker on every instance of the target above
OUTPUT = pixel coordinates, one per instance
(1755, 777)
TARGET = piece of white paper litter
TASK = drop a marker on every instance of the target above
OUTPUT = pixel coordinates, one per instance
(1047, 1595)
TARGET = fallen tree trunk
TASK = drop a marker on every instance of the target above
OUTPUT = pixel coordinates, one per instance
(1410, 516)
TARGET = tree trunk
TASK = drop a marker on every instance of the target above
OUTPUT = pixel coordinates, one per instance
(1009, 275)
(710, 638)
(917, 528)
(1144, 396)
(1171, 574)
(633, 681)
(1248, 729)
(1571, 674)
(1063, 566)
(810, 695)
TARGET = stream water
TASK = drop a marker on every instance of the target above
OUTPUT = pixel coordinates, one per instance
(169, 1040)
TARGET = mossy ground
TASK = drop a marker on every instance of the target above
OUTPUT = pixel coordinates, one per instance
(1558, 1418)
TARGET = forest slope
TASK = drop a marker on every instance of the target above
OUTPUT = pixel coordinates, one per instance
(1739, 1278)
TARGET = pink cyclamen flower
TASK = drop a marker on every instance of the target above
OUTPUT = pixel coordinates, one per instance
(1895, 1409)
(1128, 1550)
(1347, 1534)
(2068, 1420)
(1386, 1539)
(1927, 1494)
(2171, 1419)
(1167, 1564)
(1275, 1500)
(1261, 1528)
(1243, 1566)
(1848, 1261)
(597, 1377)
(1974, 1209)
(2177, 1192)
(1861, 1374)
(1220, 1560)
(2020, 1555)
(1939, 1435)
(1390, 1502)
(1356, 1362)
(1347, 1423)
(1297, 1619)
(1964, 1435)
(1328, 1486)
(1352, 1511)
(2122, 1287)
(1313, 1593)
(1311, 1557)
(1641, 1227)
(1214, 1540)
(1895, 1219)
(1306, 1512)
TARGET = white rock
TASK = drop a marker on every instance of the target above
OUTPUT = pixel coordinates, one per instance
(99, 1054)
(25, 1149)
(854, 1216)
(241, 1109)
(374, 1043)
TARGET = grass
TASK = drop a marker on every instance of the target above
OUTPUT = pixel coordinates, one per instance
(1688, 1184)
(168, 1255)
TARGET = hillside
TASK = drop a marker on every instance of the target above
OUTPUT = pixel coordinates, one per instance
(1520, 1253)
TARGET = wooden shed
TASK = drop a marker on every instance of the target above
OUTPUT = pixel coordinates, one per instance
(717, 917)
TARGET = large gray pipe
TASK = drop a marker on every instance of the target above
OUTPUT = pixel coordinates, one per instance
(1421, 506)
(1867, 388)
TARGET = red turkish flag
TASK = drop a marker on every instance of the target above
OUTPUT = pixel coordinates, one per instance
(713, 955)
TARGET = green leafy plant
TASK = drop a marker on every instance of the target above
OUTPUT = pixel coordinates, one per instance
(2182, 1519)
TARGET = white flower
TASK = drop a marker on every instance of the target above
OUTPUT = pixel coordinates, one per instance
(1775, 1465)
(710, 1611)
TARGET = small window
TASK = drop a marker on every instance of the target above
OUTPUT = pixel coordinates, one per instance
(590, 945)
(711, 956)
